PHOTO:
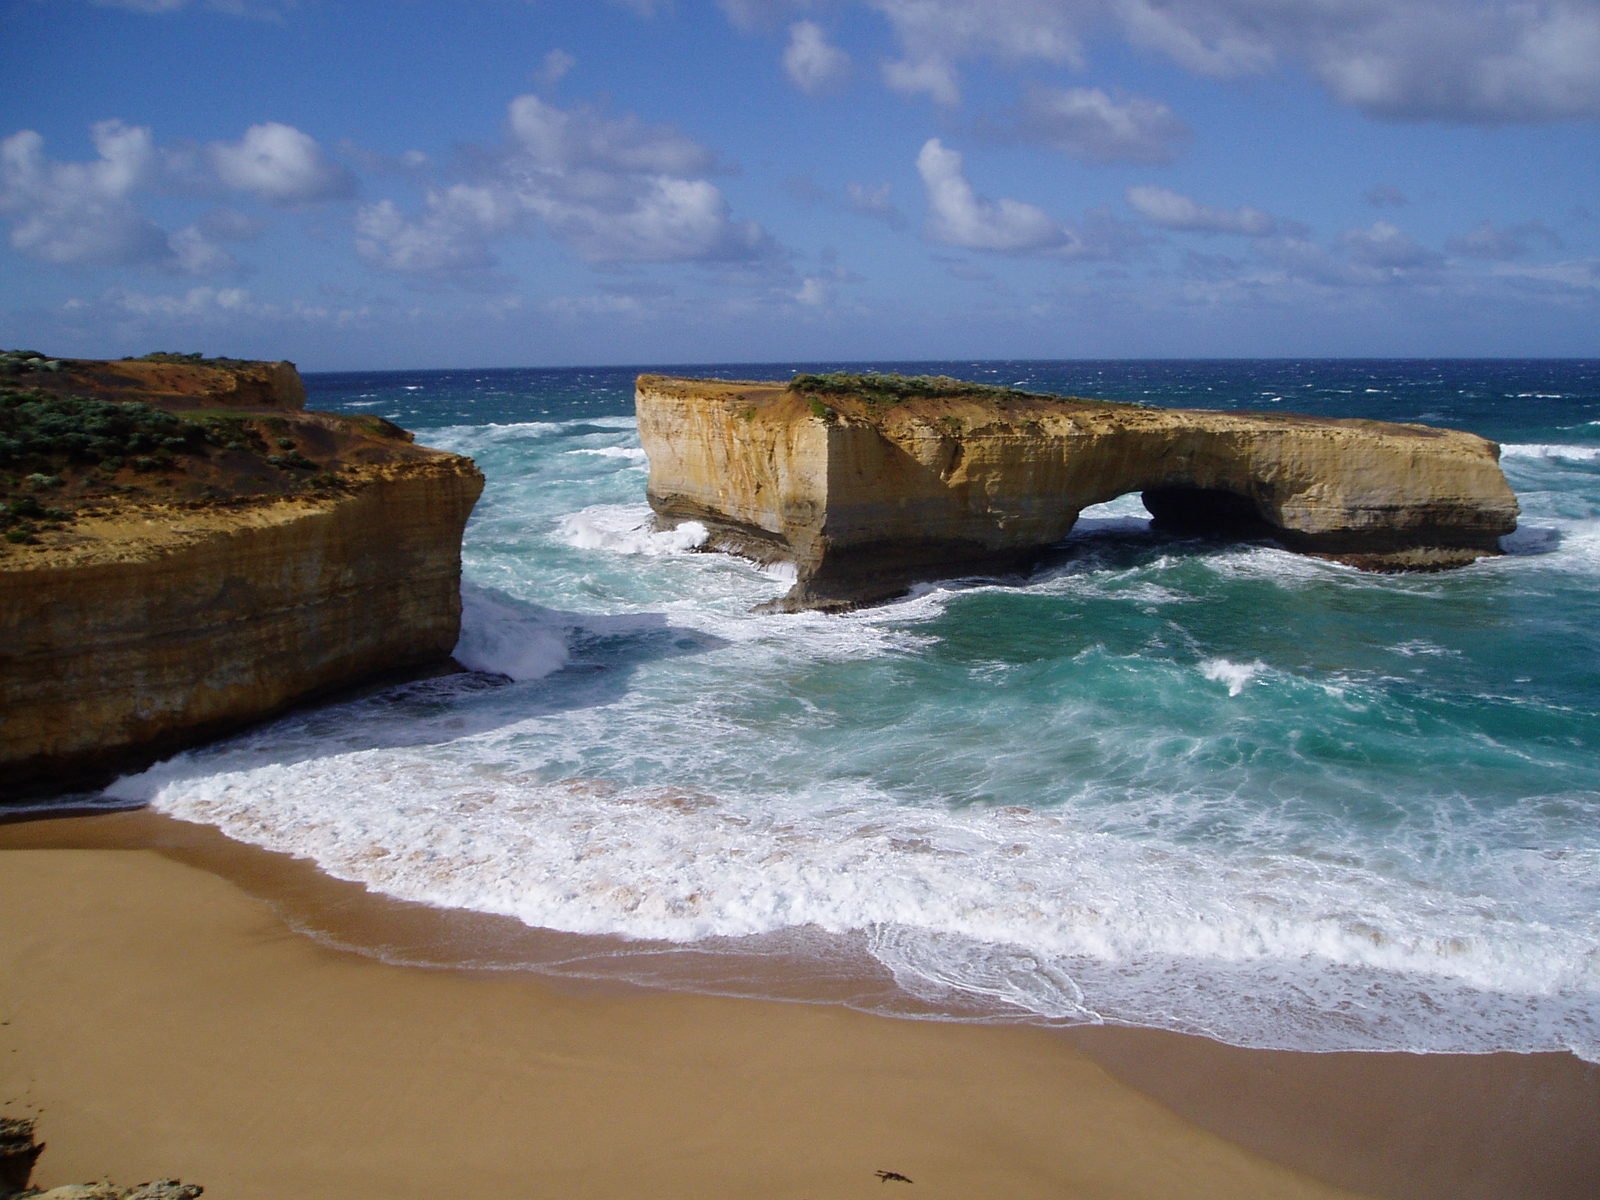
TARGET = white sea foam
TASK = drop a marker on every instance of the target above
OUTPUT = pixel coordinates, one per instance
(1237, 676)
(620, 529)
(631, 453)
(1419, 648)
(1007, 909)
(503, 637)
(1549, 450)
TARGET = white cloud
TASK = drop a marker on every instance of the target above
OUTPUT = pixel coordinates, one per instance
(1577, 275)
(612, 188)
(1453, 60)
(553, 68)
(196, 253)
(933, 77)
(1502, 244)
(936, 34)
(449, 237)
(813, 292)
(1474, 61)
(281, 165)
(659, 220)
(1090, 125)
(197, 302)
(85, 213)
(812, 63)
(602, 305)
(1212, 37)
(1489, 62)
(231, 312)
(958, 216)
(81, 213)
(1171, 210)
(873, 202)
(1387, 248)
(557, 139)
(1014, 30)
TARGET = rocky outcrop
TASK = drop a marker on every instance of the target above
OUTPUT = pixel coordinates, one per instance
(869, 484)
(147, 620)
(188, 379)
(19, 1150)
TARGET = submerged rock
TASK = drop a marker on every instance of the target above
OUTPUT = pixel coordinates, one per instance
(868, 483)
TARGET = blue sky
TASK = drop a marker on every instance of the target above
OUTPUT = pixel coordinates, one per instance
(526, 182)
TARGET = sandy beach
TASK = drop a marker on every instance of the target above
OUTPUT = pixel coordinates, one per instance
(163, 1015)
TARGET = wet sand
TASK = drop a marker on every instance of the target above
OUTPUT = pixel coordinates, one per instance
(167, 1013)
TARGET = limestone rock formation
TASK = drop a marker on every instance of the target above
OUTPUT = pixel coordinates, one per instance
(253, 557)
(868, 483)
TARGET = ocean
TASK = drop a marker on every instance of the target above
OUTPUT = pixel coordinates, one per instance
(1209, 787)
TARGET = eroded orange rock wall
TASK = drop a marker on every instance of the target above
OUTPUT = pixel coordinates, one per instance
(865, 500)
(168, 627)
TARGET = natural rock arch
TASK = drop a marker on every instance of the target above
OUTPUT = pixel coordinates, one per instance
(867, 491)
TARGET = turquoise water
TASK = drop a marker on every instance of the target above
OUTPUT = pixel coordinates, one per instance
(1216, 788)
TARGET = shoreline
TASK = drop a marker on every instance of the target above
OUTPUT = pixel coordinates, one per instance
(104, 904)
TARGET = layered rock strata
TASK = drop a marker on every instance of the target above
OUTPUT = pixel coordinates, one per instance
(148, 621)
(867, 490)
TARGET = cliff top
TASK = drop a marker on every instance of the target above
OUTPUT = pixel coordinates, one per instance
(86, 442)
(900, 402)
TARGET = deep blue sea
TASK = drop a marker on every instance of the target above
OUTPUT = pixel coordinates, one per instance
(1177, 783)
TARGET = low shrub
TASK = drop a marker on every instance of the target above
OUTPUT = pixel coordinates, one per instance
(878, 389)
(40, 430)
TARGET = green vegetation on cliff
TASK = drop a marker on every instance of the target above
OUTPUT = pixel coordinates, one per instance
(62, 453)
(194, 359)
(882, 390)
(40, 431)
(878, 389)
(23, 362)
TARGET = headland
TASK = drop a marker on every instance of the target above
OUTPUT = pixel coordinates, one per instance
(188, 550)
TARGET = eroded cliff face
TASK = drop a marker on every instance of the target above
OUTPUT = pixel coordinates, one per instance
(866, 497)
(145, 624)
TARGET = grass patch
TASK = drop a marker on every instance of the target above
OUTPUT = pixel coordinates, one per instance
(822, 412)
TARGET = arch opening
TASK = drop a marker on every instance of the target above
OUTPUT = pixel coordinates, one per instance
(1207, 512)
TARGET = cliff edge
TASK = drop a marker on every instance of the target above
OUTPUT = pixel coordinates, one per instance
(870, 483)
(187, 550)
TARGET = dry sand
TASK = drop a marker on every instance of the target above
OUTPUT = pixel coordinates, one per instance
(162, 1018)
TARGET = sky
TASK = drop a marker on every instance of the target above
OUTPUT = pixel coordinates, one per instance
(353, 184)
